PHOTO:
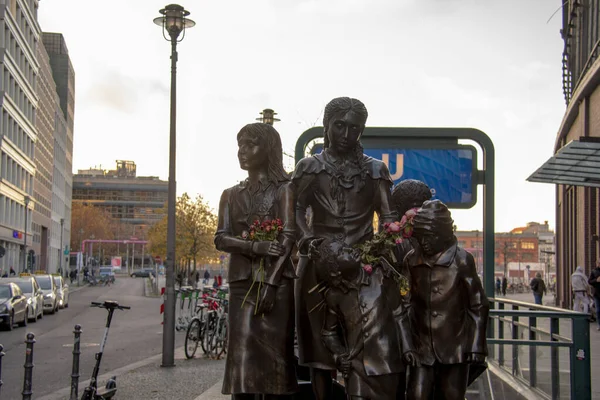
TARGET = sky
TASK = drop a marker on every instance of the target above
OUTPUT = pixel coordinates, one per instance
(490, 65)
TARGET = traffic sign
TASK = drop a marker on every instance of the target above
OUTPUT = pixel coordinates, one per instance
(158, 259)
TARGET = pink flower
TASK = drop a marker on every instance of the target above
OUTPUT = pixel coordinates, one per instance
(368, 268)
(386, 225)
(399, 240)
(280, 228)
(268, 228)
(394, 228)
(408, 231)
(245, 235)
(403, 220)
(411, 213)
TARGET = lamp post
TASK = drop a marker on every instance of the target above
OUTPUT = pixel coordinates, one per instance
(173, 21)
(60, 253)
(268, 116)
(26, 200)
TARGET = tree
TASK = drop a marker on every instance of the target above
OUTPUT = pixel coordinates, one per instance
(195, 226)
(88, 221)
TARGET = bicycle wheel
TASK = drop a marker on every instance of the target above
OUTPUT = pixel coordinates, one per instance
(192, 338)
(210, 323)
(222, 339)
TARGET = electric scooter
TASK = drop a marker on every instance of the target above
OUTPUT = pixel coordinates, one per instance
(91, 392)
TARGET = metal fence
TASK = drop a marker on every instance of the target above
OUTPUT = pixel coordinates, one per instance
(545, 348)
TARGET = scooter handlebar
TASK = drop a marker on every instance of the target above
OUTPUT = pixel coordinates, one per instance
(110, 304)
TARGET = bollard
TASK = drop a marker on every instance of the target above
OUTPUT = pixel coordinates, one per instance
(75, 370)
(27, 378)
(1, 355)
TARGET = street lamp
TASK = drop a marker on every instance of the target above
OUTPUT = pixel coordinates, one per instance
(173, 22)
(268, 116)
(26, 200)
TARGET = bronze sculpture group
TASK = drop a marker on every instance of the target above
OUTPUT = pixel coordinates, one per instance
(410, 323)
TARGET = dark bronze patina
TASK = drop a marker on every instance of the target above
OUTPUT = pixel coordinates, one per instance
(448, 309)
(364, 319)
(340, 189)
(260, 357)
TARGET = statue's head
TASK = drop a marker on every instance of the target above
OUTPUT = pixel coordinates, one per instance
(344, 121)
(259, 146)
(433, 227)
(337, 262)
(410, 193)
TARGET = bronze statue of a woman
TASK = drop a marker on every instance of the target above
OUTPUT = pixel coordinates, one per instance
(260, 357)
(343, 188)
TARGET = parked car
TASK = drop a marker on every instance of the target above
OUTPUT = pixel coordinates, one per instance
(49, 289)
(143, 273)
(31, 290)
(13, 305)
(106, 274)
(62, 291)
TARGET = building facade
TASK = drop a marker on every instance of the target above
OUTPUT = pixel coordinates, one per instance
(134, 202)
(18, 134)
(63, 76)
(575, 166)
(514, 251)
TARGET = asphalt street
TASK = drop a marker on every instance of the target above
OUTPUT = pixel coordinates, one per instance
(135, 335)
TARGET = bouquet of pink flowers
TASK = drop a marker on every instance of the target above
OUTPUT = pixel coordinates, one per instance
(268, 230)
(383, 244)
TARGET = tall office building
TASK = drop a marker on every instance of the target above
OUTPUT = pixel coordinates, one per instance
(18, 135)
(63, 75)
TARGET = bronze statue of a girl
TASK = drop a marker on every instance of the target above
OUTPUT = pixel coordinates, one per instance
(260, 357)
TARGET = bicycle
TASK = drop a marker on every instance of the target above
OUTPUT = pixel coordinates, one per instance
(198, 325)
(216, 335)
(91, 391)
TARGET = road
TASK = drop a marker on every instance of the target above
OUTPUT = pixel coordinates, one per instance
(134, 335)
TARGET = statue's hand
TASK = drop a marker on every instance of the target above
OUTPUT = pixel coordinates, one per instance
(411, 358)
(267, 299)
(475, 358)
(313, 248)
(343, 364)
(267, 248)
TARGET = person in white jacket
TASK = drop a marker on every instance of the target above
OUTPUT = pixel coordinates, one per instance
(581, 288)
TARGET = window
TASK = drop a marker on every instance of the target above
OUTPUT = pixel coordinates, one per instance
(527, 245)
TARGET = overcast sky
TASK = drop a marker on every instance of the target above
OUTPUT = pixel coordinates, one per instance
(490, 65)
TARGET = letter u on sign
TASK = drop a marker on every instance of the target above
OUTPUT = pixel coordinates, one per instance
(397, 174)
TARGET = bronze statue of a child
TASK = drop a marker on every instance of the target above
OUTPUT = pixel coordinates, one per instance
(448, 312)
(366, 326)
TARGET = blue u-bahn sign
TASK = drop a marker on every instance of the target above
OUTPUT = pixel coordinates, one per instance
(448, 168)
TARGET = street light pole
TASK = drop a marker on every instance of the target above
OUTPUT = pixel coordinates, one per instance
(173, 22)
(26, 199)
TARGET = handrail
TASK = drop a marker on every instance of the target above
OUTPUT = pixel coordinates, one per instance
(532, 335)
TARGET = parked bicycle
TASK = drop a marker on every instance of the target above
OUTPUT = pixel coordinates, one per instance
(91, 392)
(208, 328)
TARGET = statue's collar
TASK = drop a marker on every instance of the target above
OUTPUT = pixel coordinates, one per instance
(261, 183)
(444, 260)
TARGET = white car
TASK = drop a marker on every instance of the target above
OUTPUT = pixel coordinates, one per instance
(46, 283)
(31, 290)
(62, 291)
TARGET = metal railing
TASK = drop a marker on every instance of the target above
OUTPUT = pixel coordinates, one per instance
(531, 330)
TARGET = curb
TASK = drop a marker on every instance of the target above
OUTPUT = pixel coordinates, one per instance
(214, 393)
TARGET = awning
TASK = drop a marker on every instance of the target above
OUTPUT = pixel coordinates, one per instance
(577, 164)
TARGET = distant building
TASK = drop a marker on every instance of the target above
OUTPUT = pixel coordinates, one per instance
(135, 202)
(514, 251)
(51, 221)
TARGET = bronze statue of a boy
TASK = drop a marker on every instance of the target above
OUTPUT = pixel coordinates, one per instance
(449, 308)
(366, 327)
(343, 189)
(260, 356)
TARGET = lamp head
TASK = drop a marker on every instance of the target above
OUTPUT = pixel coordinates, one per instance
(174, 20)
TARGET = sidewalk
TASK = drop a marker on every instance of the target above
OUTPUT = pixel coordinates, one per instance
(147, 380)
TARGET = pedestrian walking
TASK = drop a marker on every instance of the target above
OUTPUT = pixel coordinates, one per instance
(538, 287)
(197, 279)
(504, 285)
(206, 277)
(498, 285)
(594, 282)
(580, 287)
